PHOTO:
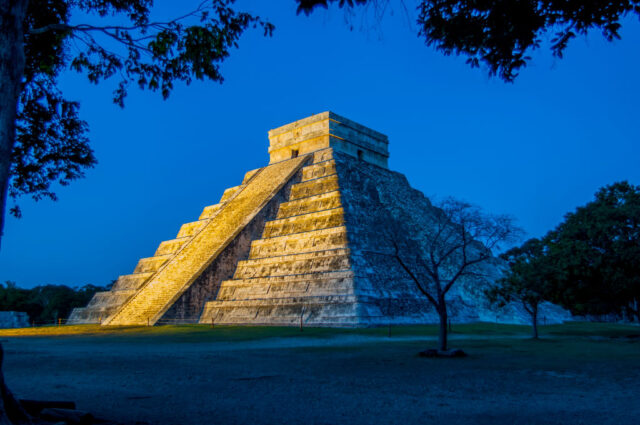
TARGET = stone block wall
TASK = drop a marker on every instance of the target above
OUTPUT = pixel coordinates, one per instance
(13, 319)
(325, 130)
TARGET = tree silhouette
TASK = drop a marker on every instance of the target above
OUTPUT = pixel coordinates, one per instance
(501, 34)
(529, 281)
(596, 250)
(42, 138)
(458, 241)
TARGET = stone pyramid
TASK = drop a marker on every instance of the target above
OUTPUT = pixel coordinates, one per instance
(299, 240)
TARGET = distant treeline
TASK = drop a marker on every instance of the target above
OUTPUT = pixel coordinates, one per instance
(45, 303)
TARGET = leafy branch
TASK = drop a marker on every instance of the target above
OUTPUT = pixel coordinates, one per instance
(51, 142)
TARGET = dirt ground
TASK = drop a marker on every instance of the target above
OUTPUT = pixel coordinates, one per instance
(333, 380)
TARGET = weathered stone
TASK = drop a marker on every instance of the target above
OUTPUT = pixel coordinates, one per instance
(325, 130)
(209, 211)
(171, 246)
(13, 319)
(190, 229)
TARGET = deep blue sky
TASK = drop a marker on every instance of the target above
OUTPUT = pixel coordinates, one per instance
(535, 149)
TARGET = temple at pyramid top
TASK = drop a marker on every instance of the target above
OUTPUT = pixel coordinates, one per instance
(328, 130)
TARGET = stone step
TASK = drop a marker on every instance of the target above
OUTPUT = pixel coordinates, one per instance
(228, 193)
(105, 303)
(314, 262)
(249, 175)
(110, 298)
(190, 229)
(160, 292)
(151, 264)
(171, 246)
(309, 204)
(304, 223)
(322, 169)
(316, 240)
(209, 211)
(314, 187)
(131, 281)
(85, 316)
(270, 288)
(317, 311)
(102, 305)
(301, 300)
(335, 274)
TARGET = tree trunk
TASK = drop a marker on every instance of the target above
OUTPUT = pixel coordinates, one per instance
(11, 412)
(442, 334)
(12, 16)
(534, 321)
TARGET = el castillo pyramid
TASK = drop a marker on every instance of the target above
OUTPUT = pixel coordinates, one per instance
(299, 240)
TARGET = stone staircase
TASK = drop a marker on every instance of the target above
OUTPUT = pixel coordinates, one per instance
(300, 268)
(105, 304)
(208, 238)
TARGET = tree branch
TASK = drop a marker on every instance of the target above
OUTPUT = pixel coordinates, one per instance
(413, 277)
(85, 27)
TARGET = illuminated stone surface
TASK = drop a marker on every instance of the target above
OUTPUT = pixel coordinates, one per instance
(165, 287)
(326, 130)
(301, 239)
(104, 305)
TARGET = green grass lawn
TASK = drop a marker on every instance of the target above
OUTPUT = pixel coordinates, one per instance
(576, 372)
(205, 333)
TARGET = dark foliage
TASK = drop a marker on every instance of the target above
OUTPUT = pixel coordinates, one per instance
(597, 253)
(529, 280)
(307, 6)
(501, 34)
(51, 143)
(590, 264)
(46, 303)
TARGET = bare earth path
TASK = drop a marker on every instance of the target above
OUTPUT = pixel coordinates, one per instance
(344, 379)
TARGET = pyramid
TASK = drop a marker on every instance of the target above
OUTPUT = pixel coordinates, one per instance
(299, 241)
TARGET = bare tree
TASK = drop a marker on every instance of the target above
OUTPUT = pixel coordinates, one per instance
(457, 242)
